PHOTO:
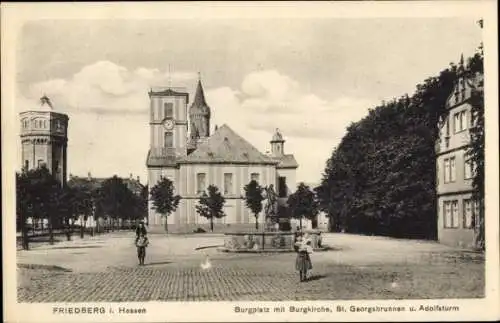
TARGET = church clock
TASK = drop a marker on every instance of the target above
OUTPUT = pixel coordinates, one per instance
(169, 124)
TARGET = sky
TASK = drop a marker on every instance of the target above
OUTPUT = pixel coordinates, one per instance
(310, 78)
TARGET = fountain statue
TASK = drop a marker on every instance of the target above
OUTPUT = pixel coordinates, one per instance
(271, 208)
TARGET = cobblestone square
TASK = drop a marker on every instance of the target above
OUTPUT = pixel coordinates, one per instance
(104, 269)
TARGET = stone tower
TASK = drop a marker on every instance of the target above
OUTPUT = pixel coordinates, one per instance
(277, 144)
(199, 116)
(44, 138)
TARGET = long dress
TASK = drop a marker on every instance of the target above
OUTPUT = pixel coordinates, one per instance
(303, 261)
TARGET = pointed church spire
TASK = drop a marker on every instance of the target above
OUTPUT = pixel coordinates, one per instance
(462, 60)
(199, 97)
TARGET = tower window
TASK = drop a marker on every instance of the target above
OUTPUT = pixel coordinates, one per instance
(40, 163)
(169, 140)
(168, 109)
(26, 164)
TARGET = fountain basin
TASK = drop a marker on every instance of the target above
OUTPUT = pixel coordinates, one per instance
(267, 241)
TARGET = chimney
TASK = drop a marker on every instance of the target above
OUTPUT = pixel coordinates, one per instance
(89, 176)
(131, 176)
(138, 179)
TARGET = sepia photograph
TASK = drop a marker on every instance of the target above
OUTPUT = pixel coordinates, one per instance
(198, 158)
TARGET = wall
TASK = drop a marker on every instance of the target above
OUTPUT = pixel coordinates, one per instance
(185, 182)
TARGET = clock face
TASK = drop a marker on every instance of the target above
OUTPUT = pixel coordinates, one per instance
(169, 124)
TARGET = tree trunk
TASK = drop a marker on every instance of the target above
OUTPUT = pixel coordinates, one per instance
(300, 222)
(51, 231)
(82, 229)
(212, 224)
(97, 225)
(256, 222)
(166, 223)
(24, 234)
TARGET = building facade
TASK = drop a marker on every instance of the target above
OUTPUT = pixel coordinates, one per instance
(44, 139)
(195, 161)
(457, 212)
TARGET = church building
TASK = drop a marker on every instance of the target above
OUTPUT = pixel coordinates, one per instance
(183, 149)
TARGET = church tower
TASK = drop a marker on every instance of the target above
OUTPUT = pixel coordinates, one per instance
(277, 144)
(44, 139)
(199, 116)
(168, 126)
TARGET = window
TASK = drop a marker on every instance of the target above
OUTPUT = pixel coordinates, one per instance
(169, 140)
(40, 163)
(200, 182)
(168, 110)
(452, 169)
(447, 127)
(254, 177)
(26, 164)
(447, 214)
(469, 170)
(450, 214)
(460, 121)
(282, 191)
(476, 214)
(467, 211)
(228, 183)
(446, 170)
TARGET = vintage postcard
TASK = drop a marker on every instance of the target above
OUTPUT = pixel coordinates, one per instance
(241, 161)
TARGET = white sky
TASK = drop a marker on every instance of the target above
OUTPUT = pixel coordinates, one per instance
(309, 78)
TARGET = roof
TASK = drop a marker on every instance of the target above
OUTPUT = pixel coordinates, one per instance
(199, 103)
(168, 92)
(287, 161)
(45, 104)
(226, 146)
(464, 86)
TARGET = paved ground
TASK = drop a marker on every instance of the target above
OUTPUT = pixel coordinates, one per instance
(104, 268)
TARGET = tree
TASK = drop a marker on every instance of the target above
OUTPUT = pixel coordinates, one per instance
(211, 206)
(302, 203)
(39, 197)
(253, 199)
(115, 199)
(164, 200)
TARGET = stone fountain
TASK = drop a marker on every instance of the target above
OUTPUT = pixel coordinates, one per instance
(270, 239)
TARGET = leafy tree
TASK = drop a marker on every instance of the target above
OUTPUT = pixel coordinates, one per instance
(381, 178)
(253, 199)
(115, 199)
(302, 203)
(164, 200)
(39, 197)
(211, 205)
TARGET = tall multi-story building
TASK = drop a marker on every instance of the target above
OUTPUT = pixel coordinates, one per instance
(44, 139)
(222, 158)
(457, 212)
